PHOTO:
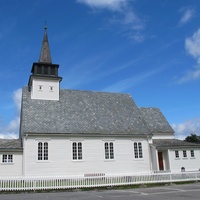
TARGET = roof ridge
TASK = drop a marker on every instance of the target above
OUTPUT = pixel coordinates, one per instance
(92, 91)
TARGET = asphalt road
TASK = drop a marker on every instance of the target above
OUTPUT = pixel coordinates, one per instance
(174, 192)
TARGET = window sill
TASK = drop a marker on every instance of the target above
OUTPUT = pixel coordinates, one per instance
(109, 160)
(7, 163)
(42, 161)
(138, 159)
(77, 160)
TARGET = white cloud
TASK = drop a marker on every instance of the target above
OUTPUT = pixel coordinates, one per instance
(190, 75)
(12, 130)
(13, 127)
(132, 20)
(137, 36)
(8, 136)
(17, 95)
(188, 13)
(108, 4)
(192, 46)
(125, 19)
(184, 129)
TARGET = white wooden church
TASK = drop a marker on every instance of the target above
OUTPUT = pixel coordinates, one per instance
(86, 133)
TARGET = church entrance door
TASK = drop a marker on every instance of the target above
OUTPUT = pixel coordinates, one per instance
(160, 161)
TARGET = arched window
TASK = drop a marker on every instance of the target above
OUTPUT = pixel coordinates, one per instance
(40, 151)
(138, 150)
(43, 151)
(109, 150)
(77, 151)
(46, 151)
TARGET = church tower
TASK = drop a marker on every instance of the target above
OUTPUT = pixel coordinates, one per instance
(44, 82)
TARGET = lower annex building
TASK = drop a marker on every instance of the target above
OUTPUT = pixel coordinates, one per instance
(86, 133)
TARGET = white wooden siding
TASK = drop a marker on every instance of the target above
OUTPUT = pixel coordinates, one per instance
(61, 163)
(161, 136)
(11, 169)
(45, 93)
(190, 164)
(154, 157)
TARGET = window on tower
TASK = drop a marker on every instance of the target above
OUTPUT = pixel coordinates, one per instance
(53, 71)
(40, 87)
(51, 88)
(39, 70)
(46, 71)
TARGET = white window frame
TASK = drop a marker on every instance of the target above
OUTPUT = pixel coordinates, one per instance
(7, 158)
(138, 151)
(176, 152)
(77, 151)
(42, 151)
(184, 153)
(109, 150)
(192, 154)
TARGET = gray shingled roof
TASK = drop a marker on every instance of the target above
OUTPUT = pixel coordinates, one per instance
(173, 143)
(10, 144)
(156, 121)
(82, 112)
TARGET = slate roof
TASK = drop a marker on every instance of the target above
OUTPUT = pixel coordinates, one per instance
(156, 121)
(82, 112)
(173, 143)
(10, 144)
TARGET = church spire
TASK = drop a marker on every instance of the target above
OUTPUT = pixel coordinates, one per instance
(45, 56)
(44, 82)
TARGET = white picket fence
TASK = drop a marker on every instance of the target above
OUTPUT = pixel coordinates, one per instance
(60, 182)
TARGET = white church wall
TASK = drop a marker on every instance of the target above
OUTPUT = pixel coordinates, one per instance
(166, 160)
(154, 158)
(189, 163)
(162, 136)
(45, 89)
(60, 160)
(13, 168)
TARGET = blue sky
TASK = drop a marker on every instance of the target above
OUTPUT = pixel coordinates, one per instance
(147, 48)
